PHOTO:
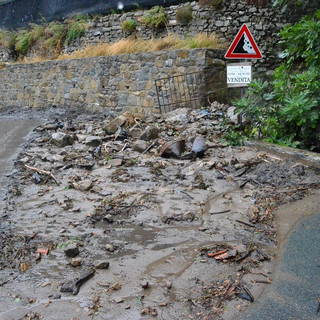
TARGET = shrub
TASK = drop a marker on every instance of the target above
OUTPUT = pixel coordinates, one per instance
(286, 109)
(37, 32)
(23, 42)
(76, 30)
(11, 41)
(54, 34)
(184, 14)
(129, 25)
(155, 18)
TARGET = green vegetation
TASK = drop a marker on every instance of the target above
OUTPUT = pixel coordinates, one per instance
(184, 14)
(285, 109)
(49, 38)
(76, 30)
(129, 25)
(284, 4)
(23, 42)
(155, 18)
(54, 35)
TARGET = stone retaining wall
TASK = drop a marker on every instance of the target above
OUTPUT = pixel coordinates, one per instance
(116, 84)
(263, 21)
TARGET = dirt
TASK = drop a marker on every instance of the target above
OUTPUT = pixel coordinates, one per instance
(158, 222)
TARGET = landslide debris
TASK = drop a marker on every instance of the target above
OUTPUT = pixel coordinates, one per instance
(185, 217)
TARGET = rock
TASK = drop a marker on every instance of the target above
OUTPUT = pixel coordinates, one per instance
(145, 284)
(101, 264)
(239, 165)
(126, 119)
(71, 251)
(110, 247)
(180, 115)
(24, 266)
(135, 133)
(24, 160)
(118, 300)
(76, 262)
(121, 134)
(140, 145)
(61, 139)
(83, 185)
(150, 133)
(115, 162)
(93, 141)
(108, 218)
(169, 284)
(234, 117)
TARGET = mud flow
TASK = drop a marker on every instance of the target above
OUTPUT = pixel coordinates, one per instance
(134, 218)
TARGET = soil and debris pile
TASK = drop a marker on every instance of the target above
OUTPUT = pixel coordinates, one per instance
(157, 213)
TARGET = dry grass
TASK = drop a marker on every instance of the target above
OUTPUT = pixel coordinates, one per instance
(134, 45)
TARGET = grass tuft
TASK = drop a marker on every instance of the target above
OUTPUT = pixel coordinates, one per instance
(129, 25)
(77, 29)
(155, 18)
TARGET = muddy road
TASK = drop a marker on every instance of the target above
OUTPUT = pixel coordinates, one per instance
(134, 218)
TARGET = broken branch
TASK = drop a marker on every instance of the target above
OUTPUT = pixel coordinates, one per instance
(48, 173)
(246, 223)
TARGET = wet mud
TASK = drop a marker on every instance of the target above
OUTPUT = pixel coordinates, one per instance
(190, 236)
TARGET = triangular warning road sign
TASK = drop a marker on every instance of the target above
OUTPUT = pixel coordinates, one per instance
(243, 46)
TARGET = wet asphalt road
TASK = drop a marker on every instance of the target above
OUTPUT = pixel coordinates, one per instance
(296, 283)
(12, 134)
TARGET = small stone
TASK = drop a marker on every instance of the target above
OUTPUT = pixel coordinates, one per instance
(108, 218)
(115, 162)
(154, 312)
(150, 133)
(76, 262)
(118, 300)
(145, 284)
(124, 119)
(239, 165)
(140, 145)
(61, 139)
(71, 251)
(83, 185)
(127, 307)
(93, 141)
(47, 303)
(169, 284)
(101, 264)
(135, 133)
(24, 266)
(110, 247)
(163, 304)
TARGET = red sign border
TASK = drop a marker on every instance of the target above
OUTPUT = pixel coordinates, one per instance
(231, 55)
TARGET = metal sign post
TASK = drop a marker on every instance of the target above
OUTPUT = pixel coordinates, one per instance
(243, 47)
